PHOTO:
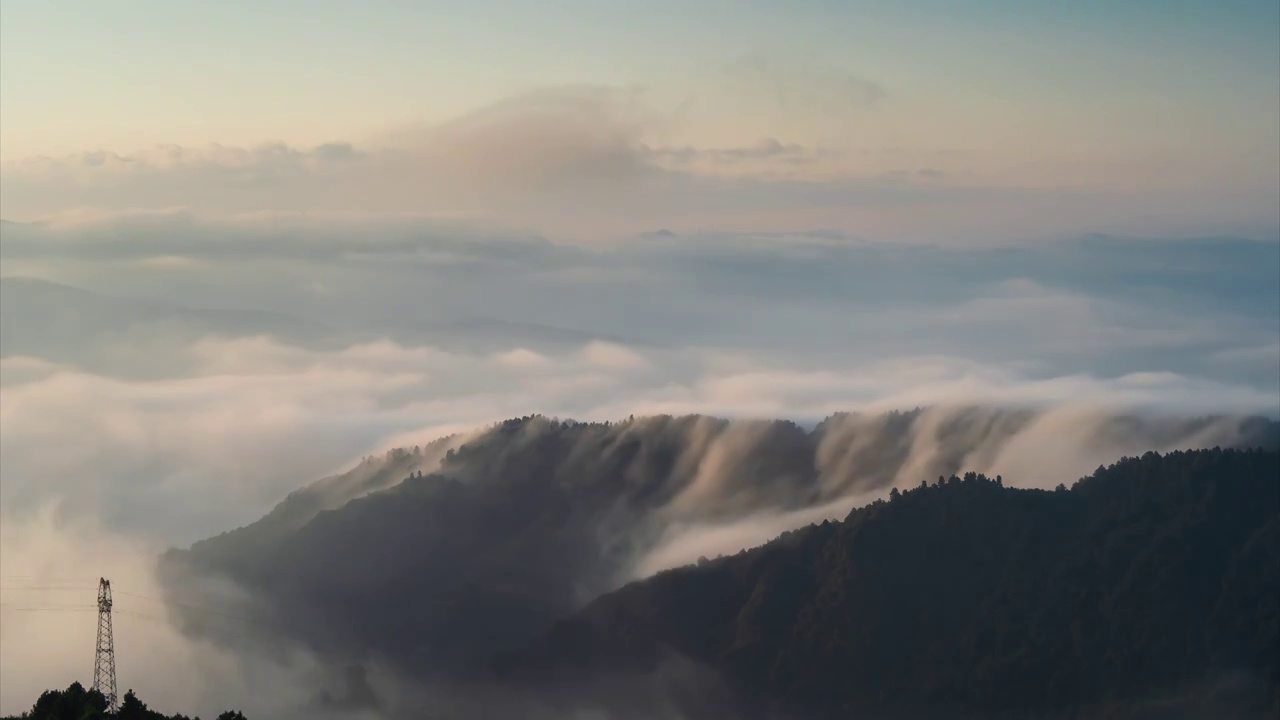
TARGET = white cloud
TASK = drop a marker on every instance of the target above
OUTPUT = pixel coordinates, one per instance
(254, 418)
(1054, 444)
(609, 356)
(686, 544)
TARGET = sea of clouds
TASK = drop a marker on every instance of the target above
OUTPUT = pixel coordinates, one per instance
(164, 377)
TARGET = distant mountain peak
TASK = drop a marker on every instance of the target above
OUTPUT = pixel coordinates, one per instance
(661, 234)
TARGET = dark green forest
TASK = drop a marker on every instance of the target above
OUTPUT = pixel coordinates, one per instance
(77, 703)
(1149, 589)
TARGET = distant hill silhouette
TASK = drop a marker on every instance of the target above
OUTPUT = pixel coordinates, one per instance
(63, 323)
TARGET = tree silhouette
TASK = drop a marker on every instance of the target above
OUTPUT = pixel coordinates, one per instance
(76, 703)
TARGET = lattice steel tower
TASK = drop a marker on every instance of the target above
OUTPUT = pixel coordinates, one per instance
(104, 664)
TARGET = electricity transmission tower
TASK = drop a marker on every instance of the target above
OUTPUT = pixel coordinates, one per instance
(104, 664)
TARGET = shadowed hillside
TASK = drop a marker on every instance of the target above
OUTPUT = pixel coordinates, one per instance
(1147, 590)
(435, 558)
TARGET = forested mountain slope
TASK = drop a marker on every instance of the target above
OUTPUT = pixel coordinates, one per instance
(1149, 589)
(435, 558)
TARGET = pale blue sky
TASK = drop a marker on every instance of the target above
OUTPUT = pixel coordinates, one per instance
(81, 75)
(1135, 96)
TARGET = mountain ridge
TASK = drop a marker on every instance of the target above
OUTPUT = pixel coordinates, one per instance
(1029, 622)
(538, 517)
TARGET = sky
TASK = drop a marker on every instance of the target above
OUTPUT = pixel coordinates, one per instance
(248, 243)
(1000, 120)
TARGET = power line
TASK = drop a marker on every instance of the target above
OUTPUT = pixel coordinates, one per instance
(58, 578)
(30, 604)
(50, 609)
(65, 588)
(59, 605)
(115, 611)
(116, 591)
(104, 671)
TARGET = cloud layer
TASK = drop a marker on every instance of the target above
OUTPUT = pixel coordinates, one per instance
(590, 161)
(166, 377)
(213, 366)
